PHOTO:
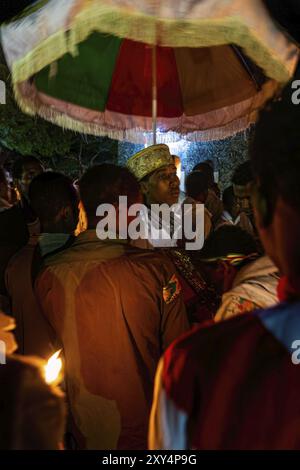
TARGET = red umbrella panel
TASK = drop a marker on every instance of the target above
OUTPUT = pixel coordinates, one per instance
(107, 88)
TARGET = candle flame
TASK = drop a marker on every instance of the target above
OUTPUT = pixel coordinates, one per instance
(53, 368)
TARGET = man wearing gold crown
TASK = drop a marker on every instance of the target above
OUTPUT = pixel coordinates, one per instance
(155, 169)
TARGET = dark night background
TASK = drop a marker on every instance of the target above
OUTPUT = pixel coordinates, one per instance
(10, 8)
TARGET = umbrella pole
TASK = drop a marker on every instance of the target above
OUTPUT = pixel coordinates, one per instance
(154, 94)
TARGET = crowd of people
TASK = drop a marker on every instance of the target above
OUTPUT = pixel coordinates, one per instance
(209, 324)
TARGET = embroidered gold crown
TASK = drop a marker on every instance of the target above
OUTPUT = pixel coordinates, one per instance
(149, 159)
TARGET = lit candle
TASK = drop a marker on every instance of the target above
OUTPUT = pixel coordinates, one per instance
(52, 370)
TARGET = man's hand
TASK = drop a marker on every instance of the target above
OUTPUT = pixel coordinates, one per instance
(7, 324)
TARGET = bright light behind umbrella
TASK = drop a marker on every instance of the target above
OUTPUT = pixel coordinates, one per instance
(53, 368)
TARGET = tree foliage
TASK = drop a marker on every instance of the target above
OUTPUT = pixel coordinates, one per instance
(59, 149)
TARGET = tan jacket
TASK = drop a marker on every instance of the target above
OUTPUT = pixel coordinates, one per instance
(115, 308)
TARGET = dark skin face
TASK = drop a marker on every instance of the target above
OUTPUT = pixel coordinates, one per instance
(234, 209)
(243, 199)
(201, 197)
(244, 205)
(30, 170)
(162, 186)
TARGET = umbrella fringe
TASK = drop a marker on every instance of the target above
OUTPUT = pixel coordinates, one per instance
(135, 135)
(49, 51)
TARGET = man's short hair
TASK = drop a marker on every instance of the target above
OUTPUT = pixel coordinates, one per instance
(228, 239)
(20, 162)
(196, 183)
(228, 198)
(243, 174)
(49, 192)
(103, 184)
(207, 170)
(210, 163)
(275, 150)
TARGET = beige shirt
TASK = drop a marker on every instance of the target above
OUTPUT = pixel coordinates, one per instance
(115, 308)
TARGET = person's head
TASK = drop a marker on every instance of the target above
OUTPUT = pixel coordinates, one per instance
(210, 163)
(54, 200)
(225, 251)
(155, 169)
(275, 156)
(227, 240)
(104, 184)
(4, 186)
(196, 186)
(242, 182)
(229, 202)
(207, 170)
(24, 169)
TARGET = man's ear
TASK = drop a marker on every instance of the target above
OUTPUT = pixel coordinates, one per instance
(144, 187)
(68, 212)
(64, 214)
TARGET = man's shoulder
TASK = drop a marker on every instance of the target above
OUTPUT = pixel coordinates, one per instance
(129, 264)
(212, 341)
(209, 336)
(24, 255)
(155, 255)
(111, 254)
(204, 353)
(155, 262)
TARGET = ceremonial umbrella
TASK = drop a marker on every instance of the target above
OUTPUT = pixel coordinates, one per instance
(200, 69)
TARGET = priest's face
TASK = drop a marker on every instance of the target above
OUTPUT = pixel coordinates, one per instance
(162, 186)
